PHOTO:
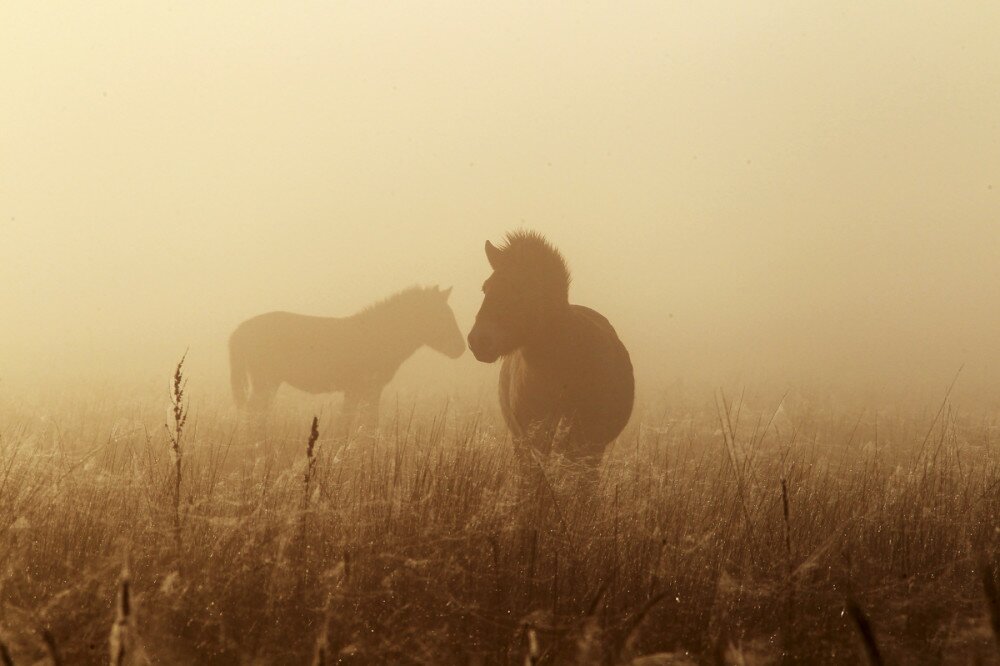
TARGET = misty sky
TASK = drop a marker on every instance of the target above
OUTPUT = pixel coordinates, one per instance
(757, 190)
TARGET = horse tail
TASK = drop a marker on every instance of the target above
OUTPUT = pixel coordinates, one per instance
(238, 373)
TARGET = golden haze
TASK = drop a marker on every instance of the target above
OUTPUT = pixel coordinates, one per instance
(761, 193)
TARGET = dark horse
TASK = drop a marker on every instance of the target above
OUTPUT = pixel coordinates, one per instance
(357, 355)
(566, 381)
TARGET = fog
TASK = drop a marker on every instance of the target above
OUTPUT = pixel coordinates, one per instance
(753, 193)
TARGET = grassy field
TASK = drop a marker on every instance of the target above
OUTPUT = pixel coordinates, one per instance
(719, 533)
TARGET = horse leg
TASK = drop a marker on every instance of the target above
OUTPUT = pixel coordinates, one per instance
(583, 458)
(369, 409)
(536, 493)
(262, 393)
(345, 420)
(561, 469)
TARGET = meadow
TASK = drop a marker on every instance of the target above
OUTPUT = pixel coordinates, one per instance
(721, 531)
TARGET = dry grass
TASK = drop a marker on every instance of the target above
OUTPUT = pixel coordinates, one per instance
(716, 534)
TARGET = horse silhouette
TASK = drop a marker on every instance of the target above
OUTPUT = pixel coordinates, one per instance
(566, 381)
(357, 355)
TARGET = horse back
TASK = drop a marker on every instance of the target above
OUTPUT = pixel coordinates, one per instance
(311, 353)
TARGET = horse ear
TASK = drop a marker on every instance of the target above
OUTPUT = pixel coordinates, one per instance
(493, 255)
(445, 293)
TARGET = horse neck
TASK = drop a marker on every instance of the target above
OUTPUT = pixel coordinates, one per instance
(392, 332)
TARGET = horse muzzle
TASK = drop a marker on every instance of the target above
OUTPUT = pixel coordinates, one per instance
(483, 345)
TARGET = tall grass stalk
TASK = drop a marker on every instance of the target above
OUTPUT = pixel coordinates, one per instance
(532, 652)
(176, 435)
(865, 632)
(787, 637)
(120, 640)
(51, 648)
(310, 471)
(307, 480)
(992, 594)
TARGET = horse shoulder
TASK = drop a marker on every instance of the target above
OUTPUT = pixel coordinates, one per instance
(506, 407)
(526, 394)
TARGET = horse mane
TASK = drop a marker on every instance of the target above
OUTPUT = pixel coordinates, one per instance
(530, 252)
(402, 300)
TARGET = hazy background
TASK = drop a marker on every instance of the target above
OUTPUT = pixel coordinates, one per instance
(767, 192)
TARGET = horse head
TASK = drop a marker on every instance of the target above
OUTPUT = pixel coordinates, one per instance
(529, 283)
(442, 332)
